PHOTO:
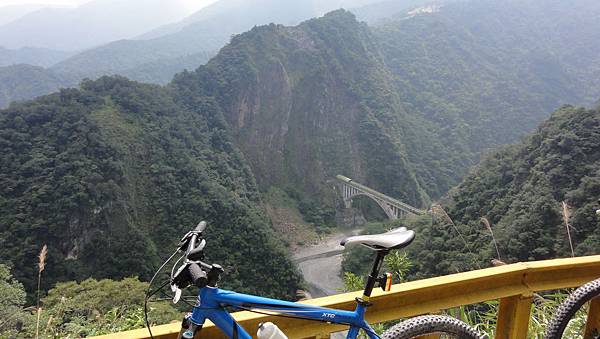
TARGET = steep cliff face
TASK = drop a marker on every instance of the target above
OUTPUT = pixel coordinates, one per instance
(306, 103)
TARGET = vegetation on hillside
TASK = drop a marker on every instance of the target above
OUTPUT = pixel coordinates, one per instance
(112, 175)
(23, 82)
(487, 72)
(317, 99)
(74, 310)
(520, 190)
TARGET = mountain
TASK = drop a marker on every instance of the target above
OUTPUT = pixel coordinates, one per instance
(201, 34)
(159, 54)
(520, 190)
(21, 82)
(10, 13)
(110, 176)
(205, 32)
(510, 206)
(282, 12)
(486, 72)
(91, 24)
(318, 99)
(31, 56)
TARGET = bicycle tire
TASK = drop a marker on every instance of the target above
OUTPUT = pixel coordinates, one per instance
(569, 307)
(431, 324)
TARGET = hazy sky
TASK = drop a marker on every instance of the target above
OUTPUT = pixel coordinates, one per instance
(191, 5)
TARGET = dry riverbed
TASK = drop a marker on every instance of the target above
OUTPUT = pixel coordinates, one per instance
(321, 264)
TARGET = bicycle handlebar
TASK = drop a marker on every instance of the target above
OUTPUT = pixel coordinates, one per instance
(196, 272)
(200, 227)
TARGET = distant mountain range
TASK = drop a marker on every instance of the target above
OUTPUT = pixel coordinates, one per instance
(10, 13)
(34, 56)
(160, 53)
(91, 24)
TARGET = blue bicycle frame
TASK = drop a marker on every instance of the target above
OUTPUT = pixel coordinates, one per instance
(212, 302)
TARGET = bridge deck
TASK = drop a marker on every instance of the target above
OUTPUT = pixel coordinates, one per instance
(390, 200)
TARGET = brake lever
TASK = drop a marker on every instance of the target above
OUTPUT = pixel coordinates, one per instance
(196, 253)
(177, 294)
(174, 287)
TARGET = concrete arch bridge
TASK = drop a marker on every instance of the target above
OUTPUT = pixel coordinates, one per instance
(393, 208)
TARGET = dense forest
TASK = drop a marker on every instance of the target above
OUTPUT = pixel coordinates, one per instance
(317, 99)
(111, 175)
(484, 75)
(519, 190)
(324, 97)
(22, 82)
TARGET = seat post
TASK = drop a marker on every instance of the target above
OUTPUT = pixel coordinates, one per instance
(372, 277)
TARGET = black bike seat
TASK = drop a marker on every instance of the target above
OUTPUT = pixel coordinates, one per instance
(392, 240)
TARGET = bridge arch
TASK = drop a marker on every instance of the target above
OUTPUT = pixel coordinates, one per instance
(393, 208)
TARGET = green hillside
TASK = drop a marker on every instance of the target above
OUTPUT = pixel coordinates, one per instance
(487, 72)
(31, 56)
(112, 175)
(519, 189)
(22, 82)
(404, 108)
(317, 99)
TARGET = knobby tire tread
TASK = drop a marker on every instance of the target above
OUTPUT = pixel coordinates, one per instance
(569, 307)
(431, 324)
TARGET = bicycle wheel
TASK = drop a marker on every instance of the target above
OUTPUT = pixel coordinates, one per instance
(447, 327)
(569, 307)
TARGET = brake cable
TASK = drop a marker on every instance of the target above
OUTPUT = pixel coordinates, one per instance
(148, 294)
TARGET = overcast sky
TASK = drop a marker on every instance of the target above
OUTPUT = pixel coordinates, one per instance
(191, 5)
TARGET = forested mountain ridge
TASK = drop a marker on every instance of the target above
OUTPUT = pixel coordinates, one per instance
(287, 107)
(31, 56)
(110, 177)
(486, 72)
(318, 99)
(519, 189)
(21, 82)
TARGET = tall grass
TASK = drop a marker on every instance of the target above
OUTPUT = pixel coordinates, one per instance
(488, 226)
(437, 209)
(41, 266)
(566, 214)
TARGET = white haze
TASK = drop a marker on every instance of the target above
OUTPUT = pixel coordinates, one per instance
(80, 24)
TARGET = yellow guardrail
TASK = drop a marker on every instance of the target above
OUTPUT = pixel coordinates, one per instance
(513, 285)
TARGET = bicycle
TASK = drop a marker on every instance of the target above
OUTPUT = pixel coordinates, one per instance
(212, 302)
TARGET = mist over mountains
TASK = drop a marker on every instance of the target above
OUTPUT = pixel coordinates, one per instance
(10, 13)
(405, 103)
(160, 53)
(244, 112)
(91, 24)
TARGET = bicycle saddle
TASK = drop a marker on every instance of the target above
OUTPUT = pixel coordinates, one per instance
(392, 240)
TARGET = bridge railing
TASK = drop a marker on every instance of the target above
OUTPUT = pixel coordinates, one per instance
(513, 285)
(350, 182)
